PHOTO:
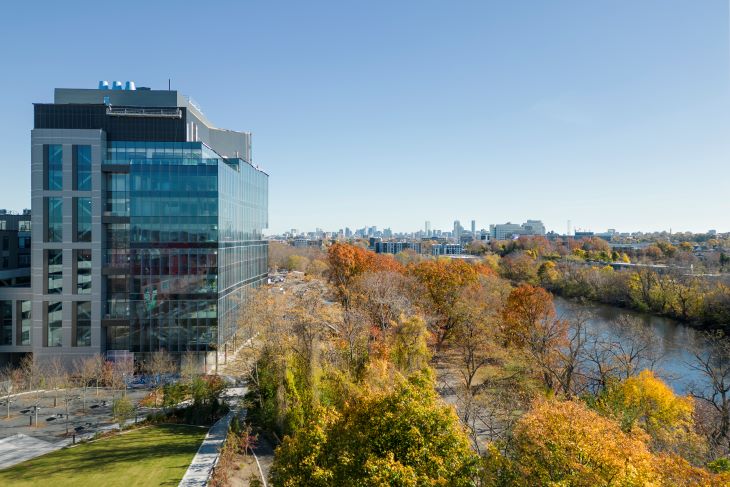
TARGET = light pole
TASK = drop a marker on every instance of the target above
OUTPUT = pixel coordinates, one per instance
(68, 400)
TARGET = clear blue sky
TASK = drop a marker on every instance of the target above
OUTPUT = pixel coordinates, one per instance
(609, 113)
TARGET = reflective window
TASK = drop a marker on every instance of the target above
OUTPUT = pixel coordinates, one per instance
(193, 246)
(83, 324)
(54, 270)
(117, 195)
(117, 338)
(24, 226)
(54, 220)
(54, 166)
(54, 320)
(25, 322)
(82, 167)
(83, 271)
(83, 219)
(6, 322)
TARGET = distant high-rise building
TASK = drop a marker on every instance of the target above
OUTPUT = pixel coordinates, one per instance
(395, 247)
(446, 249)
(534, 227)
(457, 230)
(508, 230)
(473, 228)
(428, 228)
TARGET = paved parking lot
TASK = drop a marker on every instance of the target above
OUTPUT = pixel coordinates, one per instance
(20, 440)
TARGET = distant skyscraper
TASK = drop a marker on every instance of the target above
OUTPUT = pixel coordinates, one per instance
(473, 228)
(428, 228)
(457, 230)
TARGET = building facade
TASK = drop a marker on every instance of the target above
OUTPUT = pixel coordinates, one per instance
(147, 225)
(446, 249)
(396, 247)
(507, 231)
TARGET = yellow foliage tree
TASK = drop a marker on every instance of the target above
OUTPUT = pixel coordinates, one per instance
(563, 443)
(647, 402)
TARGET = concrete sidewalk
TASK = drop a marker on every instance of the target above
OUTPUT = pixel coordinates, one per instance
(207, 457)
(19, 448)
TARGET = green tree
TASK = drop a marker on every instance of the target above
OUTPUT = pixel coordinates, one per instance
(122, 409)
(401, 437)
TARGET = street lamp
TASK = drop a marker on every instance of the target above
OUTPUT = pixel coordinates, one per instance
(68, 400)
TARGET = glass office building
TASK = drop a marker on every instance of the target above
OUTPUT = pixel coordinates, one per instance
(147, 226)
(193, 245)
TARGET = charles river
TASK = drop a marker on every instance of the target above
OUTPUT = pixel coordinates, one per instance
(675, 341)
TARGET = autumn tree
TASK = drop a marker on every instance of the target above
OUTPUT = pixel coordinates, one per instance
(56, 376)
(475, 336)
(160, 363)
(311, 322)
(520, 267)
(609, 360)
(403, 436)
(32, 373)
(565, 443)
(442, 282)
(189, 367)
(713, 363)
(408, 345)
(297, 263)
(347, 262)
(645, 401)
(85, 369)
(383, 297)
(527, 308)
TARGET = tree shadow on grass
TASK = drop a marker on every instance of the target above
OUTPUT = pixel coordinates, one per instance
(154, 447)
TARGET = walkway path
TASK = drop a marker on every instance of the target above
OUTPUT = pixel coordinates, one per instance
(18, 448)
(207, 457)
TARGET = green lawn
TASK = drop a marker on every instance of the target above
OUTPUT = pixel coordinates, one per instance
(157, 455)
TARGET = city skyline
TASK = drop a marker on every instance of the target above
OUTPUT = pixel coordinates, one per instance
(412, 111)
(568, 229)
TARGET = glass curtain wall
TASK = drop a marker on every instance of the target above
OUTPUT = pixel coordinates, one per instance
(176, 202)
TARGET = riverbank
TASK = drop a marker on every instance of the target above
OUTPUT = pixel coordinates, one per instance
(674, 345)
(692, 300)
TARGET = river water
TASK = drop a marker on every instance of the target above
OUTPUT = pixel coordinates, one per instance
(675, 341)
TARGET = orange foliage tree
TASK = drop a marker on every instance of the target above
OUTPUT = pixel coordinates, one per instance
(348, 262)
(527, 307)
(566, 443)
(442, 282)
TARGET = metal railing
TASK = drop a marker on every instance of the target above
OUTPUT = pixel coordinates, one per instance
(144, 112)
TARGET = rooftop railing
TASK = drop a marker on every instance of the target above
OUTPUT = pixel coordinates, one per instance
(144, 112)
